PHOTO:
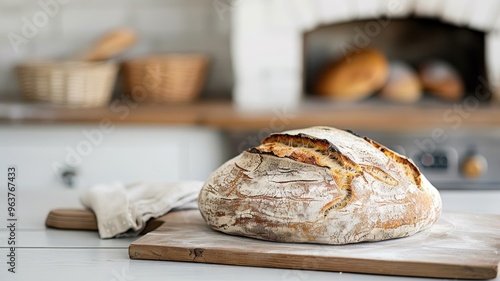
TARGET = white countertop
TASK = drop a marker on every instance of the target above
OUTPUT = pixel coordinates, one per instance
(81, 255)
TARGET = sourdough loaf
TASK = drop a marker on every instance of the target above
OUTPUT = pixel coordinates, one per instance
(319, 185)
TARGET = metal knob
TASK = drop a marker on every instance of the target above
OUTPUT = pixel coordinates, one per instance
(474, 166)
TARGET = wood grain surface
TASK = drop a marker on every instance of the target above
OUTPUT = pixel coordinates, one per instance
(224, 115)
(462, 246)
(76, 219)
(80, 219)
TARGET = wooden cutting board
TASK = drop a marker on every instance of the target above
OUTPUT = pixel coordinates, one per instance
(462, 246)
(79, 219)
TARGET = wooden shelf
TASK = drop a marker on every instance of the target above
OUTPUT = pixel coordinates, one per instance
(223, 115)
(116, 113)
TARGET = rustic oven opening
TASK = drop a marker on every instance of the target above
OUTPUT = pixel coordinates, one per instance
(413, 40)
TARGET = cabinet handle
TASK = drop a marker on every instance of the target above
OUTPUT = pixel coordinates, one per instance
(67, 177)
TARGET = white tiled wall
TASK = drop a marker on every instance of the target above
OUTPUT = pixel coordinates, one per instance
(163, 26)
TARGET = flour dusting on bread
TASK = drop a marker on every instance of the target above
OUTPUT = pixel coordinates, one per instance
(319, 185)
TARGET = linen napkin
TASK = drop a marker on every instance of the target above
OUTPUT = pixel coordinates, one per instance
(123, 210)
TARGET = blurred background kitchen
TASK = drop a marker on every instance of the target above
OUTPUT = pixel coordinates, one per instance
(94, 91)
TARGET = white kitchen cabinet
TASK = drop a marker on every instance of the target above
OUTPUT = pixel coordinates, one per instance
(83, 155)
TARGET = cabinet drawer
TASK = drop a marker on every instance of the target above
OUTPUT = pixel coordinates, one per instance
(81, 156)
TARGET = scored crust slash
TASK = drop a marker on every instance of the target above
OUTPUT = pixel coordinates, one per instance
(319, 185)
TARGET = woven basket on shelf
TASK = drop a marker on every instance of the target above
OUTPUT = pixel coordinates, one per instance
(71, 83)
(168, 78)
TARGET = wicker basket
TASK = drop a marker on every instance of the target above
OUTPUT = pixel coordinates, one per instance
(71, 83)
(168, 78)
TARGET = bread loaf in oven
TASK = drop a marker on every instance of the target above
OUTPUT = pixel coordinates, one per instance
(354, 77)
(319, 185)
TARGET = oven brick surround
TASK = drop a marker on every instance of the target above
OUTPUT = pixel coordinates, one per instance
(267, 47)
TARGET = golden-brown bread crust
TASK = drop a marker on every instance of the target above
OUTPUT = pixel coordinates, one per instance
(355, 76)
(319, 185)
(111, 44)
(442, 80)
(403, 84)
